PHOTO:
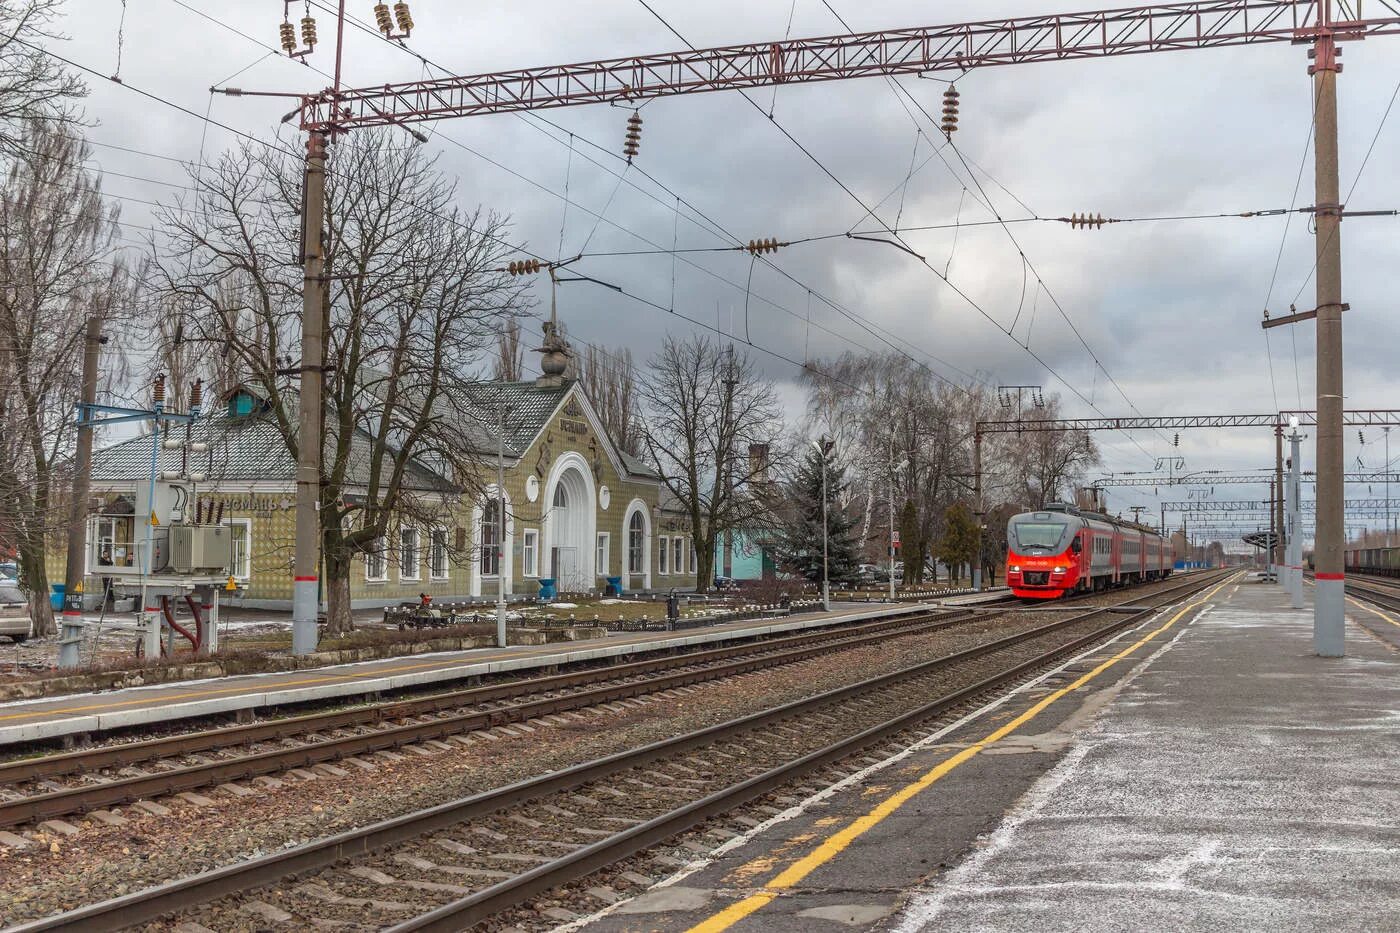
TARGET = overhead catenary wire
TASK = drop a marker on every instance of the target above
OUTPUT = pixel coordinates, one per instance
(898, 344)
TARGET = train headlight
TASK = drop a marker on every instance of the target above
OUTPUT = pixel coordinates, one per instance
(1015, 568)
(1059, 570)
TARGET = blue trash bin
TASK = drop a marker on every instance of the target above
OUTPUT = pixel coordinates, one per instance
(56, 598)
(547, 590)
(614, 587)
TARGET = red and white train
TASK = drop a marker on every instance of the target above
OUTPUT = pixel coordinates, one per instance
(1059, 550)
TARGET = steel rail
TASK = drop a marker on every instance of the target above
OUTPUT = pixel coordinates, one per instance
(512, 892)
(84, 798)
(135, 752)
(184, 893)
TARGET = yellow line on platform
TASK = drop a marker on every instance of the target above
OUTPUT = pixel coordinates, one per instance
(1372, 609)
(836, 843)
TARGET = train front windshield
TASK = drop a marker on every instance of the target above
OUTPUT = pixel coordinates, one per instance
(1037, 535)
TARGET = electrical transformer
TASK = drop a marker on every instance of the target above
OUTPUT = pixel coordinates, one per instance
(200, 548)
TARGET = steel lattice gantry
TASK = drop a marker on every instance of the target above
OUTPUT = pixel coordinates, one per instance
(1352, 418)
(1262, 505)
(1057, 37)
(1228, 479)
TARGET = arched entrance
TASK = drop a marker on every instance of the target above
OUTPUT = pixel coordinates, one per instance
(569, 523)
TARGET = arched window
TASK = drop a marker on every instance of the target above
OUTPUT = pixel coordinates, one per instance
(636, 543)
(491, 511)
(561, 498)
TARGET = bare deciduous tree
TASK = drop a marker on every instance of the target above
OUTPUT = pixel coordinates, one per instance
(57, 243)
(609, 380)
(1045, 465)
(412, 299)
(33, 84)
(509, 365)
(703, 405)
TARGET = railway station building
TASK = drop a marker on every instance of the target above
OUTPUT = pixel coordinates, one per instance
(579, 510)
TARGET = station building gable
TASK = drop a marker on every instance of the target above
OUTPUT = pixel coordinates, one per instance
(577, 509)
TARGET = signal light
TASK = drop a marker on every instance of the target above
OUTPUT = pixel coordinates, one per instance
(769, 245)
(1086, 221)
(383, 19)
(308, 31)
(634, 136)
(523, 266)
(404, 19)
(289, 37)
(950, 112)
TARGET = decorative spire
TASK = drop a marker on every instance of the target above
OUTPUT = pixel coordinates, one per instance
(555, 351)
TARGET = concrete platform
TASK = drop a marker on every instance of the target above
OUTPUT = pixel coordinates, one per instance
(54, 717)
(1204, 772)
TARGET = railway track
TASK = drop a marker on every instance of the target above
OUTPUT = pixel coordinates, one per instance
(1379, 591)
(32, 790)
(456, 864)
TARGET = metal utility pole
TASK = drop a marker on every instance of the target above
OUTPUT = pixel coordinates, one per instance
(501, 557)
(1328, 607)
(71, 636)
(305, 593)
(1279, 553)
(1387, 486)
(1295, 516)
(978, 512)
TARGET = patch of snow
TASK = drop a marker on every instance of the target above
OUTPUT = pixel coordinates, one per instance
(563, 605)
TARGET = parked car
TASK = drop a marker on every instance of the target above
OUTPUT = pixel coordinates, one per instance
(725, 584)
(14, 612)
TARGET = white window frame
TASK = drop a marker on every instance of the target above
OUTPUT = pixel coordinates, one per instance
(241, 569)
(491, 511)
(694, 558)
(602, 554)
(530, 552)
(678, 554)
(663, 563)
(417, 551)
(377, 553)
(433, 573)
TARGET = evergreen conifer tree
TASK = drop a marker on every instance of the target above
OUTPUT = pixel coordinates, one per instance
(800, 545)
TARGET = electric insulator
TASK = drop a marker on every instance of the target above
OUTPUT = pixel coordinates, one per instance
(196, 393)
(523, 266)
(402, 15)
(950, 111)
(768, 245)
(289, 37)
(634, 136)
(308, 31)
(383, 19)
(1086, 221)
(158, 389)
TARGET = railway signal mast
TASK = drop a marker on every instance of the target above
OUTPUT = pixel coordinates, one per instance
(958, 47)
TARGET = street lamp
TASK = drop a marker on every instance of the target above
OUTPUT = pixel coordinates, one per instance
(893, 471)
(823, 448)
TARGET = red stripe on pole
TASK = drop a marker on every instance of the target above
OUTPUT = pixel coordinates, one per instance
(1330, 576)
(310, 579)
(72, 612)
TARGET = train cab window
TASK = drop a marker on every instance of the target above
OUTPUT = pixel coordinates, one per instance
(1045, 535)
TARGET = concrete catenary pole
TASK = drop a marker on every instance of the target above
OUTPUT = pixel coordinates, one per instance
(306, 562)
(978, 512)
(1279, 553)
(1328, 607)
(1295, 516)
(70, 641)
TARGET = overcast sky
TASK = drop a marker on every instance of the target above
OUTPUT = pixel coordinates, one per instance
(1172, 308)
